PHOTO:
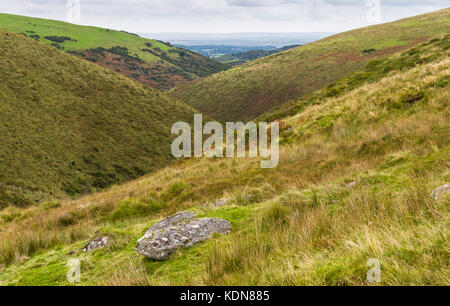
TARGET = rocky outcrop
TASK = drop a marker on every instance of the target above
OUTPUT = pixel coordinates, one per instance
(94, 244)
(441, 192)
(182, 230)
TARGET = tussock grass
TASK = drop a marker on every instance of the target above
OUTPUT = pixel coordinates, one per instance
(311, 244)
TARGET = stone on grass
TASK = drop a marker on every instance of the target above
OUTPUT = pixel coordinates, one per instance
(94, 244)
(182, 230)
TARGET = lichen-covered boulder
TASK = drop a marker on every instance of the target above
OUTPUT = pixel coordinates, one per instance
(94, 244)
(441, 192)
(182, 230)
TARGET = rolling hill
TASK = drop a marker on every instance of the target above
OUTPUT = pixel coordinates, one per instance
(356, 172)
(247, 91)
(154, 63)
(69, 126)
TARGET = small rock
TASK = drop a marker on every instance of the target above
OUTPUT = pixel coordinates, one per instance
(181, 230)
(441, 192)
(24, 258)
(218, 203)
(351, 185)
(73, 252)
(94, 244)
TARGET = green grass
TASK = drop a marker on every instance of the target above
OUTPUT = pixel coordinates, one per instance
(70, 127)
(247, 91)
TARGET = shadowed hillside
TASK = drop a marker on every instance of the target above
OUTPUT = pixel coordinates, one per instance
(68, 126)
(151, 62)
(247, 91)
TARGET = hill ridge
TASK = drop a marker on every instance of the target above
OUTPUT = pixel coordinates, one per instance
(245, 92)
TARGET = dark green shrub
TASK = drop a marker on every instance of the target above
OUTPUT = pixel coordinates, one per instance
(58, 39)
(275, 217)
(369, 51)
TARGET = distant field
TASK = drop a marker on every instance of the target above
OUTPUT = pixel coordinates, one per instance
(144, 55)
(244, 40)
(236, 59)
(247, 91)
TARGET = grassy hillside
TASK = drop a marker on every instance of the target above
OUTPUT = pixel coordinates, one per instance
(247, 91)
(298, 224)
(69, 126)
(152, 62)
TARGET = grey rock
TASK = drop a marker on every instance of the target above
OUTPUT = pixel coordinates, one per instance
(97, 243)
(351, 185)
(182, 230)
(441, 192)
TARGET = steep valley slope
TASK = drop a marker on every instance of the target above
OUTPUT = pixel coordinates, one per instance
(247, 91)
(69, 126)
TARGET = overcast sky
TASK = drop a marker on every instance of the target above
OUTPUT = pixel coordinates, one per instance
(225, 16)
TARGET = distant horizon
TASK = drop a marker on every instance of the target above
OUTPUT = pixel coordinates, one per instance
(260, 39)
(233, 33)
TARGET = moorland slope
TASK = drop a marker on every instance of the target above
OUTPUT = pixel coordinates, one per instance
(247, 91)
(69, 126)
